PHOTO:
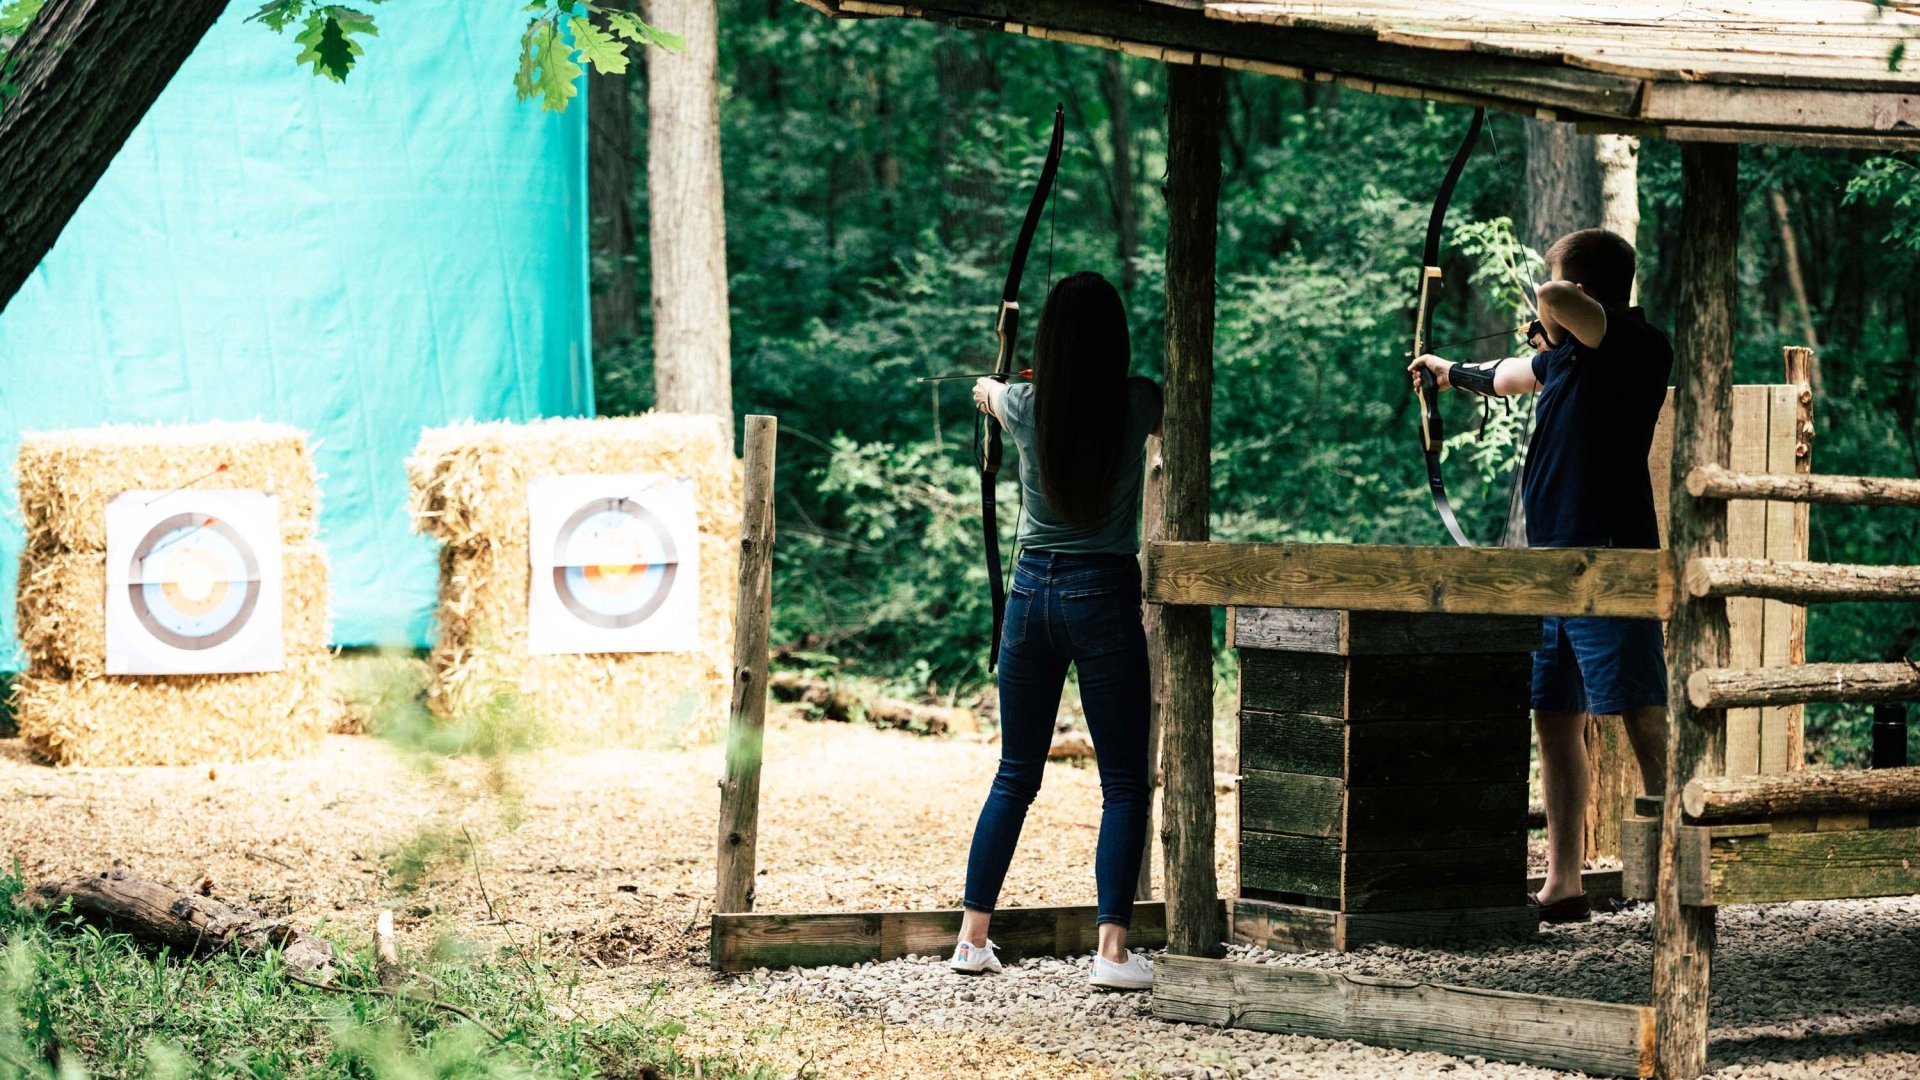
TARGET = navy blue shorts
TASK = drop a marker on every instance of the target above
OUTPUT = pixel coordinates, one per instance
(1600, 665)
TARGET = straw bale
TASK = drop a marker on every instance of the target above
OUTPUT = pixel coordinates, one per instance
(177, 719)
(60, 608)
(469, 486)
(67, 477)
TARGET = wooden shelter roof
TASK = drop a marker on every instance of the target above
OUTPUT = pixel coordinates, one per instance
(1812, 72)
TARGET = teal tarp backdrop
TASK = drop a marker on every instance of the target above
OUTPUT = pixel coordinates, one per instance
(359, 260)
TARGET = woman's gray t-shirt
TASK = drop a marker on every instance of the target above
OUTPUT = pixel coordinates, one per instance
(1119, 532)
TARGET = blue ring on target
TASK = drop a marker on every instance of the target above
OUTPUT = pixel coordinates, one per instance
(195, 582)
(614, 595)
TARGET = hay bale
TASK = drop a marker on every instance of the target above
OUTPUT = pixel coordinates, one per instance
(176, 719)
(65, 706)
(469, 491)
(67, 477)
(61, 611)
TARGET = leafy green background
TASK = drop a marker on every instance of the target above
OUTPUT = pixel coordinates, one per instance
(874, 174)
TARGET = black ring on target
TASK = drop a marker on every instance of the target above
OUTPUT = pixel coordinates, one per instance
(249, 584)
(670, 562)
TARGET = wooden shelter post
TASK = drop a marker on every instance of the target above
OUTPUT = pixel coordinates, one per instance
(1697, 634)
(1196, 98)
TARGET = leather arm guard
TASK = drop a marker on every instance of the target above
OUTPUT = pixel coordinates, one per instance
(1474, 378)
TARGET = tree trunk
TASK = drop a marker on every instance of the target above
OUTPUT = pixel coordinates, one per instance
(1117, 89)
(1195, 109)
(616, 298)
(1563, 182)
(692, 357)
(87, 71)
(1796, 684)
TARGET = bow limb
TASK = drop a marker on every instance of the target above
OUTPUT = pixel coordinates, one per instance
(1432, 433)
(987, 440)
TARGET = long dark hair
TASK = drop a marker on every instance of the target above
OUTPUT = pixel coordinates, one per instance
(1080, 357)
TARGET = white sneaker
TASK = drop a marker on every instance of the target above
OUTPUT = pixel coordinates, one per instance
(974, 959)
(1136, 973)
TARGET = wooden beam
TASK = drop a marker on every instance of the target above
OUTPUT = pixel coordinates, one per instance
(1716, 482)
(1697, 633)
(740, 789)
(1722, 688)
(1594, 1037)
(1196, 109)
(1802, 582)
(1722, 866)
(1380, 633)
(1453, 580)
(1710, 798)
(743, 942)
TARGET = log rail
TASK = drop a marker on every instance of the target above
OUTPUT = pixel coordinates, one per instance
(1719, 482)
(1731, 688)
(1721, 798)
(1802, 582)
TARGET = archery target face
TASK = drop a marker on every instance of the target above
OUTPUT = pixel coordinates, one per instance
(614, 563)
(193, 583)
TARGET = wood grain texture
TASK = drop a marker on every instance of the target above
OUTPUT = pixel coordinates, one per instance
(1299, 683)
(743, 942)
(1720, 798)
(1278, 863)
(1282, 927)
(740, 787)
(1423, 880)
(1399, 817)
(1382, 633)
(1292, 742)
(1294, 803)
(1445, 687)
(1780, 867)
(188, 922)
(1715, 688)
(1594, 1037)
(1453, 580)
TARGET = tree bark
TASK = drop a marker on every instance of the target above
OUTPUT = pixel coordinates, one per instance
(1713, 798)
(740, 787)
(1618, 158)
(1563, 182)
(692, 344)
(1195, 110)
(616, 297)
(1720, 483)
(1802, 582)
(87, 71)
(1732, 688)
(186, 922)
(1153, 518)
(1697, 635)
(1116, 88)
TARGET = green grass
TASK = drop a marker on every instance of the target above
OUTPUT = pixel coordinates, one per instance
(76, 1001)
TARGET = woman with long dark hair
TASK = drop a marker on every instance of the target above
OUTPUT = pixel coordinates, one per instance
(1081, 427)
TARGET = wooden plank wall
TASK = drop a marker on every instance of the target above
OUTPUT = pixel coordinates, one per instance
(1765, 632)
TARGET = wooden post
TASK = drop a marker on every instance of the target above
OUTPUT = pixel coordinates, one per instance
(1152, 511)
(740, 790)
(1196, 99)
(1800, 372)
(1697, 634)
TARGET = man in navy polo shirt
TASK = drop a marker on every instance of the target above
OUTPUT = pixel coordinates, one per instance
(1602, 378)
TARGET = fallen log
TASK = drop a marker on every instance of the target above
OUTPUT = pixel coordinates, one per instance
(836, 701)
(184, 921)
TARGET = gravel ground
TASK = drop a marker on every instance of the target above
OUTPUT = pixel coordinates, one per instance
(609, 857)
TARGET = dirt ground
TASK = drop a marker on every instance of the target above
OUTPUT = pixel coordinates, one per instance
(608, 856)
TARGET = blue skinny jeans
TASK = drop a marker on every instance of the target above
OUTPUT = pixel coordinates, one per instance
(1082, 610)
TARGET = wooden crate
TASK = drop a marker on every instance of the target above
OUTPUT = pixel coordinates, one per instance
(1383, 791)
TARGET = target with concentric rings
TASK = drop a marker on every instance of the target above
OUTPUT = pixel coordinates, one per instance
(614, 563)
(195, 581)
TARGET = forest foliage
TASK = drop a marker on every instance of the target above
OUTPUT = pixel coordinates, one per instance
(875, 171)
